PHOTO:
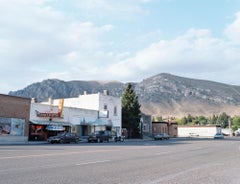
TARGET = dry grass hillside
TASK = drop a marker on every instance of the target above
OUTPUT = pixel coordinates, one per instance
(161, 95)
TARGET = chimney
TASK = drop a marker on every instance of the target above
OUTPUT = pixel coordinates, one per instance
(50, 101)
(105, 92)
(34, 100)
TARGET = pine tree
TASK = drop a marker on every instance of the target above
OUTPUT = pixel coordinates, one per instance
(131, 113)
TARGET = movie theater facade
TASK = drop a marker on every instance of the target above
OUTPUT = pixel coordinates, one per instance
(82, 115)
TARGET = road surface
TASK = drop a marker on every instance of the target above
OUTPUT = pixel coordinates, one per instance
(175, 161)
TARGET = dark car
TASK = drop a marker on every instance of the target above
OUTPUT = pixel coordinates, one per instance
(100, 136)
(65, 137)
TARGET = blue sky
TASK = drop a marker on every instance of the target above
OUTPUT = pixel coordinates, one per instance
(127, 40)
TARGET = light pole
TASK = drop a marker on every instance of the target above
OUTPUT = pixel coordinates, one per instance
(230, 127)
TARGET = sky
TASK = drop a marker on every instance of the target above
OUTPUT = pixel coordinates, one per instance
(111, 40)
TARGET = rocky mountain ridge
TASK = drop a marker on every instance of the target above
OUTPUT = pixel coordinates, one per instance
(159, 95)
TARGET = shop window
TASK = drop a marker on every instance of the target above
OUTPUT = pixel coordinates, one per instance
(11, 126)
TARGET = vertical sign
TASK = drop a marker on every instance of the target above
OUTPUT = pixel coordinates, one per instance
(60, 107)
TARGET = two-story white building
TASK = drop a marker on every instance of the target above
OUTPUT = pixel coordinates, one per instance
(108, 108)
(46, 120)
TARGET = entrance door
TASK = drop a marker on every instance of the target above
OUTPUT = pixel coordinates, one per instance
(84, 130)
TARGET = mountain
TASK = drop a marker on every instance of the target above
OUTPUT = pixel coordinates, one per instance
(161, 95)
(175, 96)
(55, 88)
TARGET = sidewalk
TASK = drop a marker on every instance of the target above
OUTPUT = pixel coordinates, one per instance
(83, 141)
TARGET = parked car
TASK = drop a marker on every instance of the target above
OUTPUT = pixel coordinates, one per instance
(193, 135)
(65, 137)
(161, 136)
(218, 136)
(100, 136)
(119, 138)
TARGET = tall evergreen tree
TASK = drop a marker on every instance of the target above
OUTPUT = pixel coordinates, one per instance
(131, 113)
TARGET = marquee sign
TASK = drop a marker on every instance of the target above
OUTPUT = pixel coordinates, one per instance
(52, 114)
(47, 114)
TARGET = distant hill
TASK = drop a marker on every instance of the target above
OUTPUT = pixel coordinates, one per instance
(162, 95)
(55, 88)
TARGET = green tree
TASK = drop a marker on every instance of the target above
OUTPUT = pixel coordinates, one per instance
(223, 120)
(190, 118)
(213, 119)
(202, 120)
(236, 123)
(131, 113)
(158, 118)
(184, 121)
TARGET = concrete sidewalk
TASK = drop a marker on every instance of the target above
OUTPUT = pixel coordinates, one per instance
(145, 138)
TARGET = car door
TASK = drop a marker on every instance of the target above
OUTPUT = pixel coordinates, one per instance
(73, 137)
(68, 137)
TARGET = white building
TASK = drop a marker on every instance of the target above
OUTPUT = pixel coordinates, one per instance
(201, 131)
(109, 111)
(45, 121)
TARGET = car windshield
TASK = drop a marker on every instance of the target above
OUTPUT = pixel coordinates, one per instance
(96, 132)
(62, 134)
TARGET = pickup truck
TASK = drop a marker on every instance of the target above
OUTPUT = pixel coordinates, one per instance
(100, 136)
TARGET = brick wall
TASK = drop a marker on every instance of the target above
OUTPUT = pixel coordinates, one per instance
(159, 127)
(165, 127)
(15, 107)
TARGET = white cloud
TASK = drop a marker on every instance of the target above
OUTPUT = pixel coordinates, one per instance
(39, 42)
(233, 30)
(195, 54)
(111, 10)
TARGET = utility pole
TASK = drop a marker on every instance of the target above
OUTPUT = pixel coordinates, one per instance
(230, 127)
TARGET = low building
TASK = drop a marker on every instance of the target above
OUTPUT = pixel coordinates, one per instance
(109, 109)
(197, 130)
(14, 118)
(171, 128)
(146, 121)
(47, 120)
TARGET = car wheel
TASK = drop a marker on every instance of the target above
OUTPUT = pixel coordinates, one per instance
(61, 141)
(98, 140)
(77, 141)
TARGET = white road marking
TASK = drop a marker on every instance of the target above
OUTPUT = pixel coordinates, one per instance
(163, 153)
(94, 162)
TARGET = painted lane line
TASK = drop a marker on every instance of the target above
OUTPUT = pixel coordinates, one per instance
(163, 153)
(94, 162)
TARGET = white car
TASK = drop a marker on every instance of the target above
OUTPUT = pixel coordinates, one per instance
(161, 136)
(193, 135)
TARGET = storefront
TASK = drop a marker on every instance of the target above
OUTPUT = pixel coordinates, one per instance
(40, 130)
(47, 121)
(100, 111)
(14, 118)
(86, 126)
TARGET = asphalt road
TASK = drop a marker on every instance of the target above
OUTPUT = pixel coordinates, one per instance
(175, 161)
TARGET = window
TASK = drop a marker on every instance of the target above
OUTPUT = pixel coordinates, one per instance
(115, 111)
(105, 107)
(11, 126)
(145, 127)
